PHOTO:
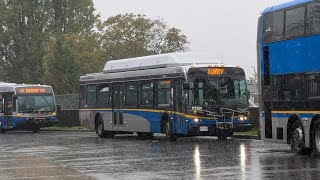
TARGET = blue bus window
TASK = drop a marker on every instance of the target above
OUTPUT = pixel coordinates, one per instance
(295, 22)
(313, 18)
(273, 27)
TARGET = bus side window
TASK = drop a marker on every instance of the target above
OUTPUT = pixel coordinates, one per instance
(295, 22)
(164, 93)
(146, 94)
(273, 26)
(104, 94)
(92, 94)
(131, 95)
(313, 18)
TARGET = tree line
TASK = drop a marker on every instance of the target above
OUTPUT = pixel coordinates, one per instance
(55, 41)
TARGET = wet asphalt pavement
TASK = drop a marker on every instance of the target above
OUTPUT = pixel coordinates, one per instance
(82, 155)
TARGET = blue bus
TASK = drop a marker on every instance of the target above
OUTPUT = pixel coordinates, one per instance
(26, 107)
(289, 75)
(177, 94)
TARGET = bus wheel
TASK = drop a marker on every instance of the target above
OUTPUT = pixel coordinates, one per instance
(100, 127)
(2, 130)
(316, 138)
(169, 133)
(297, 139)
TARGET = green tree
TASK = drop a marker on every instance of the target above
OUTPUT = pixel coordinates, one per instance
(23, 27)
(65, 71)
(130, 35)
(73, 44)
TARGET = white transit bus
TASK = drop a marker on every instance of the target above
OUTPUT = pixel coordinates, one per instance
(26, 107)
(177, 94)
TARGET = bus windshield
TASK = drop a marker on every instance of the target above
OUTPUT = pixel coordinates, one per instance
(31, 103)
(218, 91)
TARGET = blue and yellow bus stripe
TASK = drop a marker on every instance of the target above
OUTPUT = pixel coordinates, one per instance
(157, 111)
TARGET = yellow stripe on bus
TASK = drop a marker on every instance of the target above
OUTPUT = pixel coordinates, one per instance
(296, 112)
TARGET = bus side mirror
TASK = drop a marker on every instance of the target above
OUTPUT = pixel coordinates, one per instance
(58, 107)
(186, 86)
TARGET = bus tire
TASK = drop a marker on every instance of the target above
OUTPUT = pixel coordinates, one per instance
(169, 133)
(297, 139)
(100, 127)
(2, 130)
(315, 138)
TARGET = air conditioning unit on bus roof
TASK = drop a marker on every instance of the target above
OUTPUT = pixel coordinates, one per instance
(159, 61)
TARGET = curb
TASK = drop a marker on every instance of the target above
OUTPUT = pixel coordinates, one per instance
(243, 136)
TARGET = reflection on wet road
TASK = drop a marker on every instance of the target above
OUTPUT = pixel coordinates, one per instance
(82, 155)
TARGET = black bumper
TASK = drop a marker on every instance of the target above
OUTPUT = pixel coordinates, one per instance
(213, 130)
(31, 123)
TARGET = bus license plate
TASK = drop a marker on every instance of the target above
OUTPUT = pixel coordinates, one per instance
(203, 128)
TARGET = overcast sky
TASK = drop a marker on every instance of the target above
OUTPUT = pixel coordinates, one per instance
(224, 28)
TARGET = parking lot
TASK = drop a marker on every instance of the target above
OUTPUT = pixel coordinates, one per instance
(82, 155)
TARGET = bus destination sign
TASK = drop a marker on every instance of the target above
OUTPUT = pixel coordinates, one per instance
(215, 71)
(32, 90)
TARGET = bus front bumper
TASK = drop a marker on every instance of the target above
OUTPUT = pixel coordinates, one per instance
(210, 130)
(39, 122)
(215, 129)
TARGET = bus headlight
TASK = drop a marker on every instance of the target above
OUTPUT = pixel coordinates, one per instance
(54, 113)
(243, 118)
(196, 120)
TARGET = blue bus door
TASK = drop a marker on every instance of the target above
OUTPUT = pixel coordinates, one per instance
(117, 106)
(8, 110)
(179, 120)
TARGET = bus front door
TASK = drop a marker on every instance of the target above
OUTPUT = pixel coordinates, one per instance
(117, 106)
(178, 104)
(8, 110)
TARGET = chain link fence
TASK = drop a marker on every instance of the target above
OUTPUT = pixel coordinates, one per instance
(69, 114)
(68, 101)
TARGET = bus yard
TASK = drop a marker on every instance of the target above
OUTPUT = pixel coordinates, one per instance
(175, 115)
(83, 155)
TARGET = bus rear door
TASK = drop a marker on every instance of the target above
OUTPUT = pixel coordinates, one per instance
(117, 106)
